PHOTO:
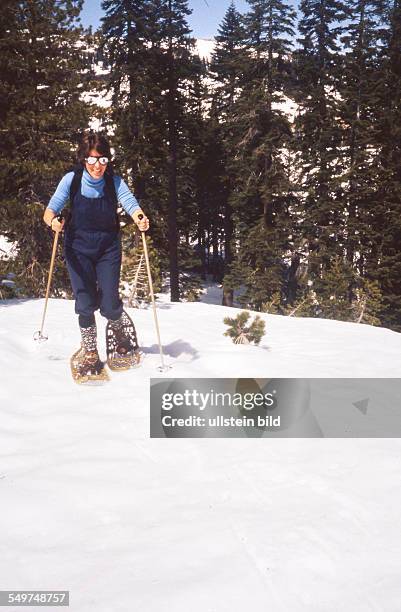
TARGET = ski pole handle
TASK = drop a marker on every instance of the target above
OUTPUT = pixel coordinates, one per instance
(140, 217)
(60, 219)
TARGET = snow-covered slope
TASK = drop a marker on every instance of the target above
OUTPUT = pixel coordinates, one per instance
(192, 334)
(90, 504)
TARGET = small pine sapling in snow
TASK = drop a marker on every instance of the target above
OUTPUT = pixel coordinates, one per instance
(241, 333)
(256, 330)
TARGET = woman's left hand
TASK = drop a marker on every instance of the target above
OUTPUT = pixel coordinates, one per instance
(143, 223)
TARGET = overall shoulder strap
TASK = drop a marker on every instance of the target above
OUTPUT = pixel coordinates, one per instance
(76, 182)
(110, 188)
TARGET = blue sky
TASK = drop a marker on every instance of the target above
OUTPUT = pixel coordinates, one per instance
(204, 21)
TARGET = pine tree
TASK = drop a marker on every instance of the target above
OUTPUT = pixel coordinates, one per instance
(130, 35)
(240, 332)
(134, 277)
(386, 218)
(41, 115)
(368, 305)
(261, 137)
(128, 29)
(137, 281)
(362, 41)
(319, 132)
(329, 297)
(227, 69)
(193, 214)
(176, 47)
(212, 196)
(258, 268)
(154, 62)
(228, 62)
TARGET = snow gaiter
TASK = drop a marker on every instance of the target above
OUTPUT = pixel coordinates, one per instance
(89, 338)
(118, 325)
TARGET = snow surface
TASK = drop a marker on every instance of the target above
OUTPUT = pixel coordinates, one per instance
(205, 47)
(91, 504)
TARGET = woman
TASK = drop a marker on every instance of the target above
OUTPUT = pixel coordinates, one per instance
(92, 249)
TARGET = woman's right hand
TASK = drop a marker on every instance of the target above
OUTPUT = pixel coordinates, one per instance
(56, 222)
(57, 225)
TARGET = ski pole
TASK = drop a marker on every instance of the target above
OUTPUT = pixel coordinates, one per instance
(145, 250)
(39, 336)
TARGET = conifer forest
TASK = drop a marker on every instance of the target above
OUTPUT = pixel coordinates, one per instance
(272, 166)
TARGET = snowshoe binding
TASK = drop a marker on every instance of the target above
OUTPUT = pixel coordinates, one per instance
(122, 344)
(86, 367)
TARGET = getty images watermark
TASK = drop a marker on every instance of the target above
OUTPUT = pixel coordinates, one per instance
(275, 407)
(217, 400)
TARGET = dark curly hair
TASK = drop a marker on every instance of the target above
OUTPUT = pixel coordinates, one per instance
(93, 140)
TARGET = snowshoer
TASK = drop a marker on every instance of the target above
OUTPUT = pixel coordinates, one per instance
(92, 250)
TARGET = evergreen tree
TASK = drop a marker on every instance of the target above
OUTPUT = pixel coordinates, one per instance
(386, 217)
(227, 69)
(240, 332)
(362, 41)
(150, 46)
(258, 268)
(213, 188)
(328, 297)
(128, 30)
(261, 136)
(228, 62)
(192, 183)
(319, 132)
(175, 49)
(41, 114)
(134, 278)
(138, 118)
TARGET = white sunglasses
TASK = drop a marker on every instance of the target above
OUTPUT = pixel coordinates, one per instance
(92, 160)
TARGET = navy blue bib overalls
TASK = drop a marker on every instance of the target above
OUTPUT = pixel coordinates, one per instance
(92, 249)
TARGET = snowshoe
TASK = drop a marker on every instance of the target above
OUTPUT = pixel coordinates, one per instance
(86, 367)
(122, 344)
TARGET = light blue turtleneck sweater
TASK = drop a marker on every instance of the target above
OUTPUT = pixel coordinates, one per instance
(92, 188)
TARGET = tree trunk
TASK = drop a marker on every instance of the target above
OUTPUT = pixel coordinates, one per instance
(228, 294)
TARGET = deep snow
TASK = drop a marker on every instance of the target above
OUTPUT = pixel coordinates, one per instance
(90, 504)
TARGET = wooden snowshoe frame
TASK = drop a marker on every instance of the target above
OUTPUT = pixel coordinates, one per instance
(91, 377)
